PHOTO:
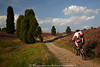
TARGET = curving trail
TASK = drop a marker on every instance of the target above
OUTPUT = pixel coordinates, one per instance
(68, 59)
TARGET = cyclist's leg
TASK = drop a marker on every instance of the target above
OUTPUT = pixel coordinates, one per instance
(82, 51)
(76, 43)
(77, 48)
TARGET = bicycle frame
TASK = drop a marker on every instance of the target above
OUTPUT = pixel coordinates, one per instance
(80, 51)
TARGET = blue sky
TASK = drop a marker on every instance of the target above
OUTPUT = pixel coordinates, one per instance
(77, 14)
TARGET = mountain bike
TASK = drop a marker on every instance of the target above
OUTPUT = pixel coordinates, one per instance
(80, 51)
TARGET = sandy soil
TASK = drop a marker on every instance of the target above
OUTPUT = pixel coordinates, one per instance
(68, 59)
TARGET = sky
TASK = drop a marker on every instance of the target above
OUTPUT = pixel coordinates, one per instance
(78, 14)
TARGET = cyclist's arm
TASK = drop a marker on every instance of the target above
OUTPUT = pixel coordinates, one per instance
(73, 38)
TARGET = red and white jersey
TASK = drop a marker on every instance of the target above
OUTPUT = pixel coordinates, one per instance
(78, 34)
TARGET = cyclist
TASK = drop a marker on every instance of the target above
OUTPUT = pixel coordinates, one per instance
(78, 38)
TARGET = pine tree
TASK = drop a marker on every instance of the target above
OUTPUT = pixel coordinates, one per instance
(27, 28)
(18, 26)
(68, 29)
(33, 24)
(10, 20)
(92, 27)
(53, 30)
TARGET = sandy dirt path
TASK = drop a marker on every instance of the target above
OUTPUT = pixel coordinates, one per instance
(68, 59)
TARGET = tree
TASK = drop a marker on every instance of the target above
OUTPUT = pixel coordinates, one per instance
(18, 26)
(53, 30)
(10, 20)
(27, 28)
(91, 27)
(31, 26)
(68, 29)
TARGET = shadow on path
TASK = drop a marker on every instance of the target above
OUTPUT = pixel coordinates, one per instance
(59, 37)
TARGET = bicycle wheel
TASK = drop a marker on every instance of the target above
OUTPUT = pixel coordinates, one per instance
(76, 51)
(83, 54)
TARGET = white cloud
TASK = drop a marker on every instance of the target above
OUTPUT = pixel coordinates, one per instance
(91, 11)
(86, 27)
(73, 9)
(3, 20)
(45, 29)
(61, 21)
(72, 20)
(90, 18)
(45, 21)
(16, 17)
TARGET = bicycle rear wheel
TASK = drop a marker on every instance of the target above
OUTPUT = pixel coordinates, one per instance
(76, 51)
(83, 54)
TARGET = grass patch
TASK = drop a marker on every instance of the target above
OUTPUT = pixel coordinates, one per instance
(62, 45)
(27, 54)
(8, 43)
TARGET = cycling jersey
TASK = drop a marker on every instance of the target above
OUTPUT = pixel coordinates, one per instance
(79, 36)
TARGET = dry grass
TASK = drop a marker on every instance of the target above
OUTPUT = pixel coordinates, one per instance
(18, 54)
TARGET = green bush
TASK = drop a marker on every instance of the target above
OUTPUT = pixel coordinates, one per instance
(53, 30)
(68, 29)
(27, 27)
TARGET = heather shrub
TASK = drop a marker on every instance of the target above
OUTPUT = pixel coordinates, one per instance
(97, 51)
(92, 41)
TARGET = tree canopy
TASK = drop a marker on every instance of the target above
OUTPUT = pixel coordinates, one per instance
(53, 30)
(68, 29)
(10, 27)
(27, 27)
